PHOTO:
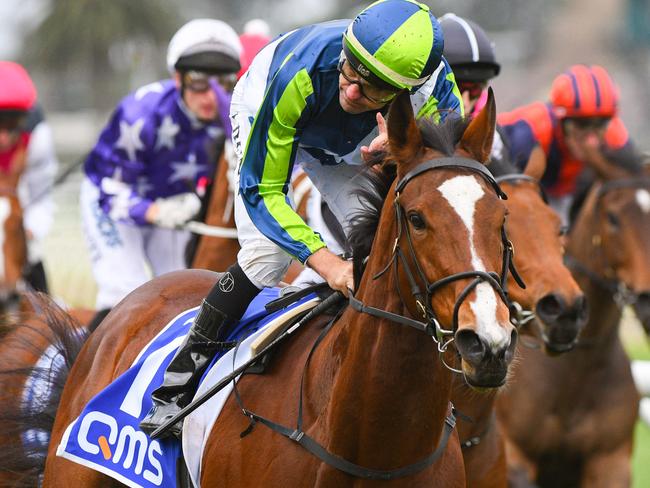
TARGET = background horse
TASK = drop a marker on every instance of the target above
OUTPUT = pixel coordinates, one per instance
(576, 413)
(535, 231)
(13, 245)
(375, 392)
(217, 252)
(36, 353)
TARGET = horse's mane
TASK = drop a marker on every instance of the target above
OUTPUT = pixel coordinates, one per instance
(502, 167)
(381, 173)
(67, 336)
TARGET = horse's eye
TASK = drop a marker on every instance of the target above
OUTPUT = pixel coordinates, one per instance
(613, 220)
(416, 220)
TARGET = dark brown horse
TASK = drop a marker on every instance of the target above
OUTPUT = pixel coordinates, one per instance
(575, 414)
(376, 392)
(551, 292)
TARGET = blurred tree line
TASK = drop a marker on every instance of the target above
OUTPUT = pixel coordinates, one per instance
(90, 53)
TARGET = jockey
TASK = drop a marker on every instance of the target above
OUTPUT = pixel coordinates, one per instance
(471, 56)
(27, 151)
(315, 95)
(470, 53)
(577, 128)
(141, 175)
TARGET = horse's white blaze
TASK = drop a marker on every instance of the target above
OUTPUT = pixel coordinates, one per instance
(643, 200)
(462, 193)
(5, 211)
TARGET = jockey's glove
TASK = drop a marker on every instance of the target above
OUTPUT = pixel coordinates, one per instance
(177, 210)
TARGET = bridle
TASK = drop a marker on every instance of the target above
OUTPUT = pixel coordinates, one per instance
(520, 316)
(430, 325)
(620, 292)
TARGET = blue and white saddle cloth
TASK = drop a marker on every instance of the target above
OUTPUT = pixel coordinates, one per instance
(106, 436)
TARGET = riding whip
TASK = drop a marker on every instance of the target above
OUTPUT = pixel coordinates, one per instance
(330, 301)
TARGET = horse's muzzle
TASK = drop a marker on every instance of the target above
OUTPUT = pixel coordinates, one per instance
(561, 322)
(484, 366)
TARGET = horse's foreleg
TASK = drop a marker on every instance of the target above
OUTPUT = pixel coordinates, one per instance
(608, 469)
(522, 472)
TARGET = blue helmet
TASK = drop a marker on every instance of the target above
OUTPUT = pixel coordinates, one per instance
(394, 44)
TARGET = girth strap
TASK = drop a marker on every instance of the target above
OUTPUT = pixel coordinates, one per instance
(353, 469)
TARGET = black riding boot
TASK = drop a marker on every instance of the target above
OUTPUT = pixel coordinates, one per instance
(222, 308)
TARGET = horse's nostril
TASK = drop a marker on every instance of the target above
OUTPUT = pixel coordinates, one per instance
(470, 346)
(582, 309)
(643, 299)
(550, 307)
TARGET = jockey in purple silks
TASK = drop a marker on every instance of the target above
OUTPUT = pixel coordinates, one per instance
(141, 175)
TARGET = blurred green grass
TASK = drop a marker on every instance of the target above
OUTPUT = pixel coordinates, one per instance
(638, 347)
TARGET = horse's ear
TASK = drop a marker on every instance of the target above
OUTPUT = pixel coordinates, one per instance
(404, 138)
(479, 135)
(536, 166)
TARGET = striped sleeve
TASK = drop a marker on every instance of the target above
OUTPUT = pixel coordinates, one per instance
(443, 95)
(268, 161)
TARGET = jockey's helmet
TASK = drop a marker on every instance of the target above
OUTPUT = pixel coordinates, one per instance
(206, 45)
(394, 44)
(468, 50)
(584, 91)
(17, 91)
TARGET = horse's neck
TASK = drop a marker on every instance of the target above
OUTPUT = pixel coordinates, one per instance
(217, 253)
(586, 248)
(476, 408)
(389, 393)
(220, 209)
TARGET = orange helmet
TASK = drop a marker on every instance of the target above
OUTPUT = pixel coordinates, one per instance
(584, 91)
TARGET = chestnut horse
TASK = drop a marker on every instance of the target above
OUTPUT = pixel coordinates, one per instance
(13, 248)
(551, 292)
(376, 392)
(575, 414)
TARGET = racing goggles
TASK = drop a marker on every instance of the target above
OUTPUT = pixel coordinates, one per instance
(591, 124)
(199, 81)
(373, 94)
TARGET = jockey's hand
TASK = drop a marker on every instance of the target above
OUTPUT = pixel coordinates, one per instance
(379, 143)
(336, 271)
(174, 211)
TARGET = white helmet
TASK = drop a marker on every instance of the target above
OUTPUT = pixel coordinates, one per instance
(204, 45)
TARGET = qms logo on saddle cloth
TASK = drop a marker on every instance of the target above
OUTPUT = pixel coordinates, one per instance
(106, 436)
